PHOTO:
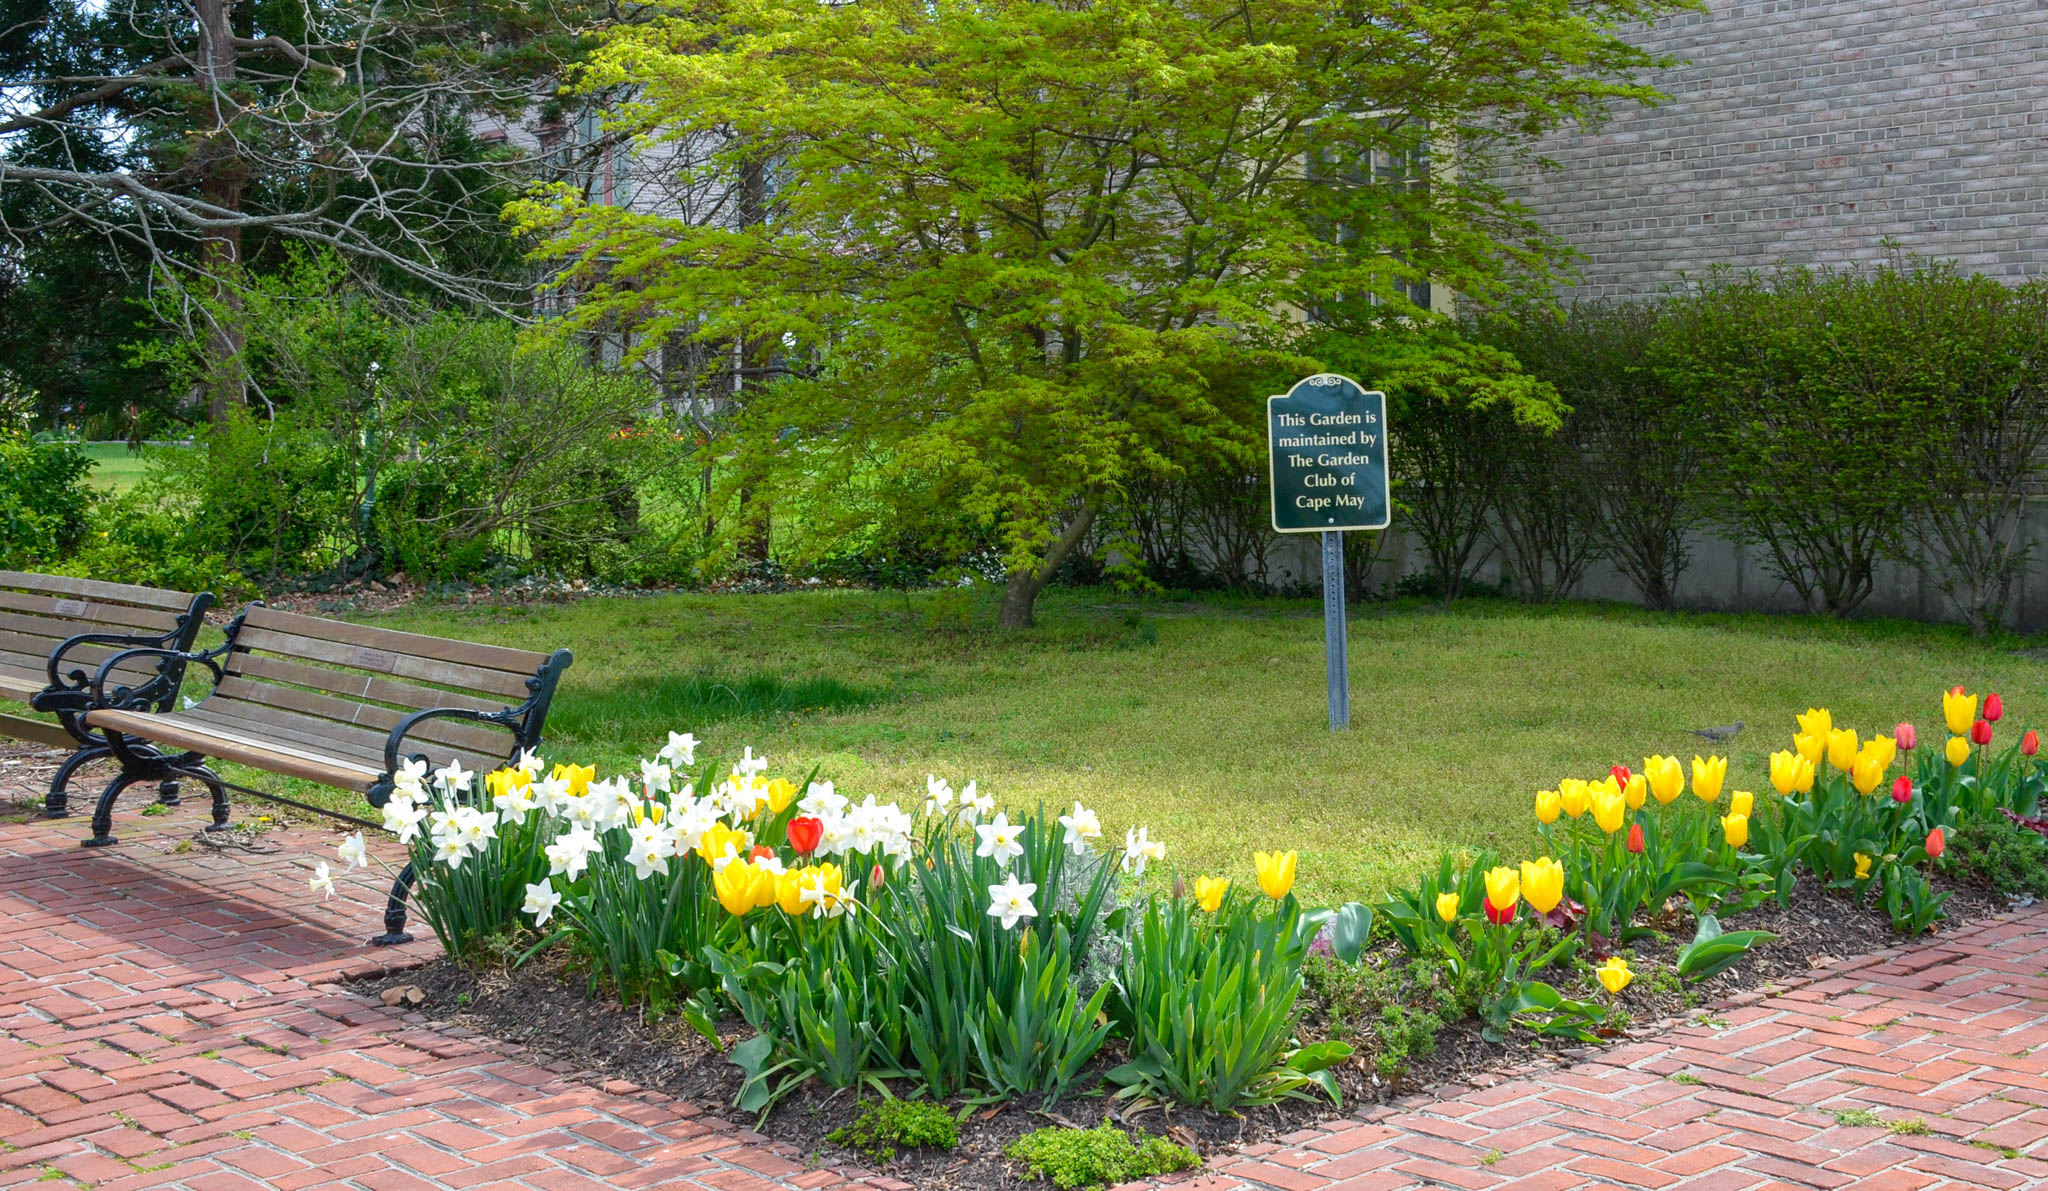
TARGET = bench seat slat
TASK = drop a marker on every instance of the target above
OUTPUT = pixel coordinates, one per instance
(356, 685)
(505, 660)
(317, 736)
(95, 589)
(230, 745)
(361, 716)
(360, 657)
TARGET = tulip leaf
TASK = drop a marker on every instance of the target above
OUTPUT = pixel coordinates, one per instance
(1350, 927)
(1712, 950)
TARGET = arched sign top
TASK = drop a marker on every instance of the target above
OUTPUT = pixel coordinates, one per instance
(1326, 446)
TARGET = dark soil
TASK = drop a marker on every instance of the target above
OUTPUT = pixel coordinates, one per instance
(543, 1007)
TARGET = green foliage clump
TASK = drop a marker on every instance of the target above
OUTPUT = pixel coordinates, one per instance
(1392, 1011)
(1098, 1157)
(885, 1125)
(1997, 854)
(44, 500)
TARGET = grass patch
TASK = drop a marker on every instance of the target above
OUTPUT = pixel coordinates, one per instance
(648, 706)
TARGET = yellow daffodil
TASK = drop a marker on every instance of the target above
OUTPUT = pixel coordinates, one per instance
(1842, 749)
(1575, 795)
(1862, 866)
(1638, 789)
(1542, 883)
(1791, 773)
(1816, 723)
(1707, 775)
(1813, 748)
(1548, 806)
(1276, 872)
(1666, 777)
(1447, 906)
(1868, 773)
(1959, 709)
(1610, 808)
(1503, 888)
(780, 794)
(1614, 974)
(1958, 750)
(1735, 829)
(1741, 802)
(1209, 892)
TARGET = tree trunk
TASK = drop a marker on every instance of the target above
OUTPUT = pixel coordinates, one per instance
(1020, 593)
(221, 181)
(755, 531)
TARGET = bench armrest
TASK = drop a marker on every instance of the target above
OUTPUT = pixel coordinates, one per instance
(70, 692)
(512, 719)
(158, 691)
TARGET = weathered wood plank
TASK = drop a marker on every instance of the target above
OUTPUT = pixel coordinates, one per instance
(467, 653)
(96, 617)
(368, 716)
(353, 684)
(95, 589)
(231, 745)
(40, 731)
(360, 657)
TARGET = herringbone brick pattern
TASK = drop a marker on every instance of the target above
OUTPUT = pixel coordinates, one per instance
(169, 1018)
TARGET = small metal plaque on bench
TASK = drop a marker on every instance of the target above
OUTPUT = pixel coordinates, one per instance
(71, 607)
(371, 659)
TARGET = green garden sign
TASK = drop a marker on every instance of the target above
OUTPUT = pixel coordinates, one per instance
(1326, 444)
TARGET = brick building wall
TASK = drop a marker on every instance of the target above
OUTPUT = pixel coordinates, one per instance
(1808, 131)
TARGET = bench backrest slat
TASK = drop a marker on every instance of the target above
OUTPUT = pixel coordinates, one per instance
(521, 662)
(345, 714)
(353, 684)
(62, 616)
(382, 661)
(96, 590)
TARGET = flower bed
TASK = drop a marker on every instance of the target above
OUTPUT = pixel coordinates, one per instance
(947, 952)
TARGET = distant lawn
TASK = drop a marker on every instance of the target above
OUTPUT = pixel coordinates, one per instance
(116, 467)
(1205, 720)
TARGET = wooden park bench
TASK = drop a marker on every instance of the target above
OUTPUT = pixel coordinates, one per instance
(342, 705)
(56, 630)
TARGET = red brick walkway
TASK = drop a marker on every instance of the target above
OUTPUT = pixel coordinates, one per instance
(169, 1018)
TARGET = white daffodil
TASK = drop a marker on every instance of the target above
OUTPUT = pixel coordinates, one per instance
(938, 795)
(836, 835)
(1011, 902)
(477, 826)
(646, 855)
(551, 794)
(403, 818)
(571, 852)
(541, 900)
(453, 777)
(527, 763)
(1081, 826)
(974, 804)
(655, 776)
(323, 880)
(750, 764)
(1139, 851)
(689, 820)
(1000, 840)
(354, 852)
(411, 773)
(444, 824)
(819, 801)
(451, 851)
(681, 749)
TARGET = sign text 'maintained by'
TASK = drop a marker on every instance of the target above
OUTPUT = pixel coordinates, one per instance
(1327, 442)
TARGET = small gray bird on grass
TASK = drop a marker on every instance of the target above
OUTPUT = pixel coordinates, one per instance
(1720, 735)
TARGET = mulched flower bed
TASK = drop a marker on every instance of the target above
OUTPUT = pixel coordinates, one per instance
(542, 1007)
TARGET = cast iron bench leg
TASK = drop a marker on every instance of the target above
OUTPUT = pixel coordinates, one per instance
(394, 911)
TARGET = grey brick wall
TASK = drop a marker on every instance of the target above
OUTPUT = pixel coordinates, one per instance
(1808, 132)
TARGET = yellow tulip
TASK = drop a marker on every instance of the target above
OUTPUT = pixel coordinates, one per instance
(1666, 777)
(1842, 749)
(1867, 773)
(722, 839)
(1741, 802)
(579, 777)
(1638, 789)
(1614, 975)
(736, 887)
(1542, 883)
(789, 892)
(1503, 888)
(1959, 709)
(1707, 775)
(1958, 750)
(1816, 723)
(1276, 872)
(1548, 806)
(1735, 829)
(1791, 773)
(1447, 906)
(1575, 796)
(1862, 866)
(1610, 808)
(1884, 748)
(1209, 892)
(780, 794)
(501, 782)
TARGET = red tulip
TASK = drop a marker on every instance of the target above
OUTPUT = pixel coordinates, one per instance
(1902, 790)
(1906, 736)
(804, 833)
(1621, 775)
(1497, 916)
(1993, 707)
(1635, 838)
(761, 852)
(875, 877)
(1980, 732)
(2030, 743)
(1936, 844)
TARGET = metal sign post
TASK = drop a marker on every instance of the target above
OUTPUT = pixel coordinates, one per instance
(1327, 466)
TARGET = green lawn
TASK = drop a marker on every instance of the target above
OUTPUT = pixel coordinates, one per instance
(1205, 721)
(116, 468)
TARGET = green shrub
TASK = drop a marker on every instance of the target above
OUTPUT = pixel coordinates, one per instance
(1997, 854)
(1393, 1012)
(44, 500)
(139, 537)
(1098, 1157)
(884, 1125)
